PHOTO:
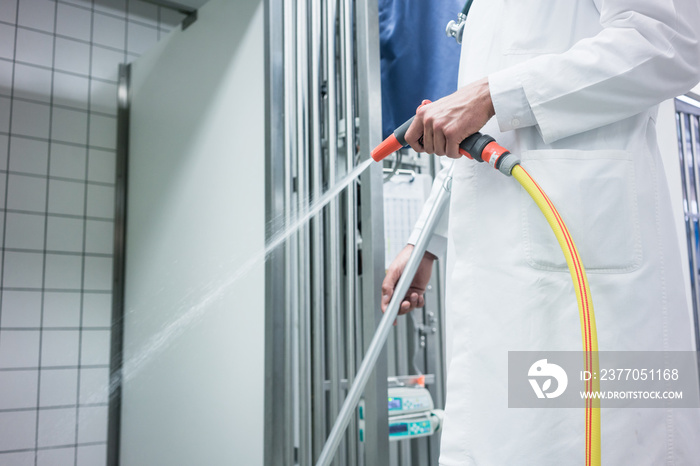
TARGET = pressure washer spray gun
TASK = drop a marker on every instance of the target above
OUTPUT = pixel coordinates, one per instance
(482, 148)
(479, 147)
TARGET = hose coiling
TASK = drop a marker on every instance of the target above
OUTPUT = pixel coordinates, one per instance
(585, 308)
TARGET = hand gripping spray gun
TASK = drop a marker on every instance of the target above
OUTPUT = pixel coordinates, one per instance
(481, 148)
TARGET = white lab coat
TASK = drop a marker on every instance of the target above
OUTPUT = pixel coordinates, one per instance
(575, 85)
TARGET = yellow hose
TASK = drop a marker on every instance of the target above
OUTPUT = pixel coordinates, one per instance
(585, 309)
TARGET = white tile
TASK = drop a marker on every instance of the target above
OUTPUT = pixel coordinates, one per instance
(113, 7)
(99, 237)
(22, 270)
(92, 424)
(73, 22)
(94, 385)
(7, 41)
(8, 11)
(60, 348)
(29, 156)
(109, 31)
(59, 387)
(56, 457)
(61, 309)
(103, 97)
(92, 455)
(66, 197)
(70, 90)
(17, 430)
(34, 47)
(103, 131)
(95, 347)
(98, 273)
(97, 310)
(5, 77)
(105, 63)
(63, 272)
(72, 56)
(32, 82)
(56, 427)
(102, 166)
(69, 125)
(30, 119)
(3, 151)
(141, 38)
(26, 193)
(68, 161)
(37, 14)
(18, 348)
(18, 389)
(21, 308)
(23, 458)
(64, 234)
(4, 114)
(24, 231)
(100, 201)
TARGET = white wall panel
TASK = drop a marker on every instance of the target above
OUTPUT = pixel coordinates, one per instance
(193, 392)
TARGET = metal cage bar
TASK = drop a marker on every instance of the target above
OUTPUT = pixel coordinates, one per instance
(688, 130)
(320, 301)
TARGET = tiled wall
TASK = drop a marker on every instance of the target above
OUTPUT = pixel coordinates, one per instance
(58, 73)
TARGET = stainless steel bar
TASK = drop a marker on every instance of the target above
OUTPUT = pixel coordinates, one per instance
(346, 15)
(434, 313)
(402, 354)
(331, 121)
(689, 219)
(291, 278)
(305, 402)
(373, 450)
(691, 187)
(276, 452)
(694, 143)
(317, 272)
(119, 267)
(692, 168)
(385, 324)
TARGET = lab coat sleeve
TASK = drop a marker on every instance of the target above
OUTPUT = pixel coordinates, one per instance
(647, 51)
(438, 243)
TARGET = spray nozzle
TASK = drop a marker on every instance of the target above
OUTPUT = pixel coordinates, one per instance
(396, 141)
(479, 147)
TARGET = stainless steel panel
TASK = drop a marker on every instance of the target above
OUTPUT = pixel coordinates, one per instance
(688, 122)
(119, 268)
(304, 266)
(277, 449)
(376, 439)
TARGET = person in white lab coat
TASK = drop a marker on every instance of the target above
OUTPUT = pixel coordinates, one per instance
(574, 86)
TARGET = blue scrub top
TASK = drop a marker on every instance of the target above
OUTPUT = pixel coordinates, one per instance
(418, 61)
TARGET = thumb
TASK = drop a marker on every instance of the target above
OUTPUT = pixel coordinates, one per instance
(388, 285)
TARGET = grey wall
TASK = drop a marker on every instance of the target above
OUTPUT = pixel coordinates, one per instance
(58, 72)
(194, 311)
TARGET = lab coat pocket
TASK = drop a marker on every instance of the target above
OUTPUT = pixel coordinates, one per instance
(536, 27)
(595, 194)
